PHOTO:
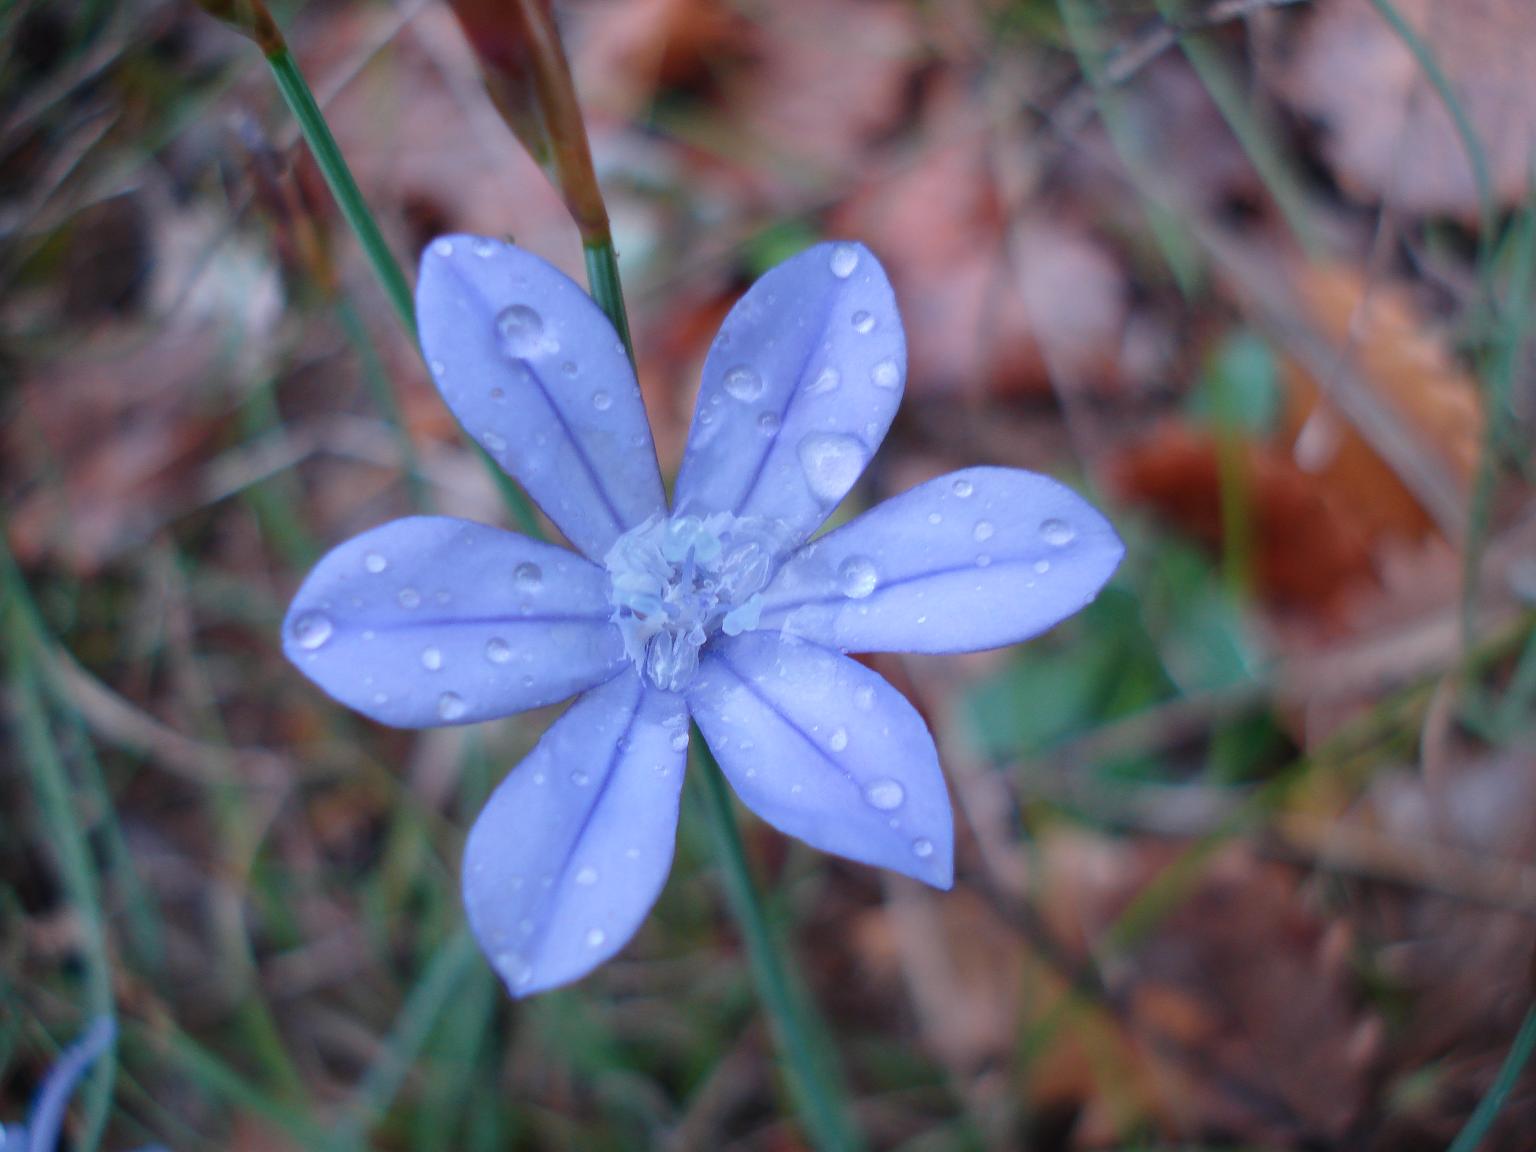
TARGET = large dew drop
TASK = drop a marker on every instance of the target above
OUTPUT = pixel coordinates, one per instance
(521, 329)
(375, 562)
(451, 706)
(311, 630)
(831, 464)
(743, 383)
(857, 577)
(845, 258)
(1057, 533)
(885, 794)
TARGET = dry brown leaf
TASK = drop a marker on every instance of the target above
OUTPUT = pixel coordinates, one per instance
(1238, 1006)
(1406, 363)
(1389, 135)
(1310, 551)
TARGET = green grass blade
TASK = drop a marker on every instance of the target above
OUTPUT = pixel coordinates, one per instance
(1489, 1106)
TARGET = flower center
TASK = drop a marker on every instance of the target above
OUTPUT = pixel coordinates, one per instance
(675, 583)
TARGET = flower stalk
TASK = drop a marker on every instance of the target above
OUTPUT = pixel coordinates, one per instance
(815, 1080)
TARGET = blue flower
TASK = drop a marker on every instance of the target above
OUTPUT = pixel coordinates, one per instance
(720, 609)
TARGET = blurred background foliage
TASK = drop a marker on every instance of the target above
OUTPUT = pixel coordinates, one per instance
(1245, 851)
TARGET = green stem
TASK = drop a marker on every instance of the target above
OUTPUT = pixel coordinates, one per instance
(338, 177)
(1489, 1107)
(603, 280)
(809, 1063)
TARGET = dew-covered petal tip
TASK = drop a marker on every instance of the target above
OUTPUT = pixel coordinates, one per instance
(431, 620)
(575, 845)
(824, 749)
(535, 373)
(798, 391)
(975, 559)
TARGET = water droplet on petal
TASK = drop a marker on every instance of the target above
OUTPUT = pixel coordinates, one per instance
(443, 247)
(580, 778)
(922, 849)
(743, 383)
(312, 629)
(845, 258)
(982, 531)
(1057, 533)
(831, 464)
(408, 598)
(983, 560)
(679, 741)
(451, 706)
(885, 374)
(528, 577)
(483, 248)
(569, 368)
(587, 877)
(439, 369)
(602, 401)
(375, 562)
(596, 937)
(885, 794)
(1042, 567)
(962, 488)
(432, 659)
(863, 323)
(864, 697)
(828, 379)
(493, 442)
(497, 650)
(935, 518)
(521, 329)
(768, 423)
(857, 577)
(838, 740)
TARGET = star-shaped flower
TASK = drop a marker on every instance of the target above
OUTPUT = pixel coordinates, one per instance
(720, 610)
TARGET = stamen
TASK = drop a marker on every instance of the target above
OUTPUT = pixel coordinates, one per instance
(676, 583)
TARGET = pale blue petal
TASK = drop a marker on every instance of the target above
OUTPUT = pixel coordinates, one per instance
(798, 391)
(975, 559)
(535, 373)
(47, 1118)
(431, 620)
(824, 749)
(576, 843)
